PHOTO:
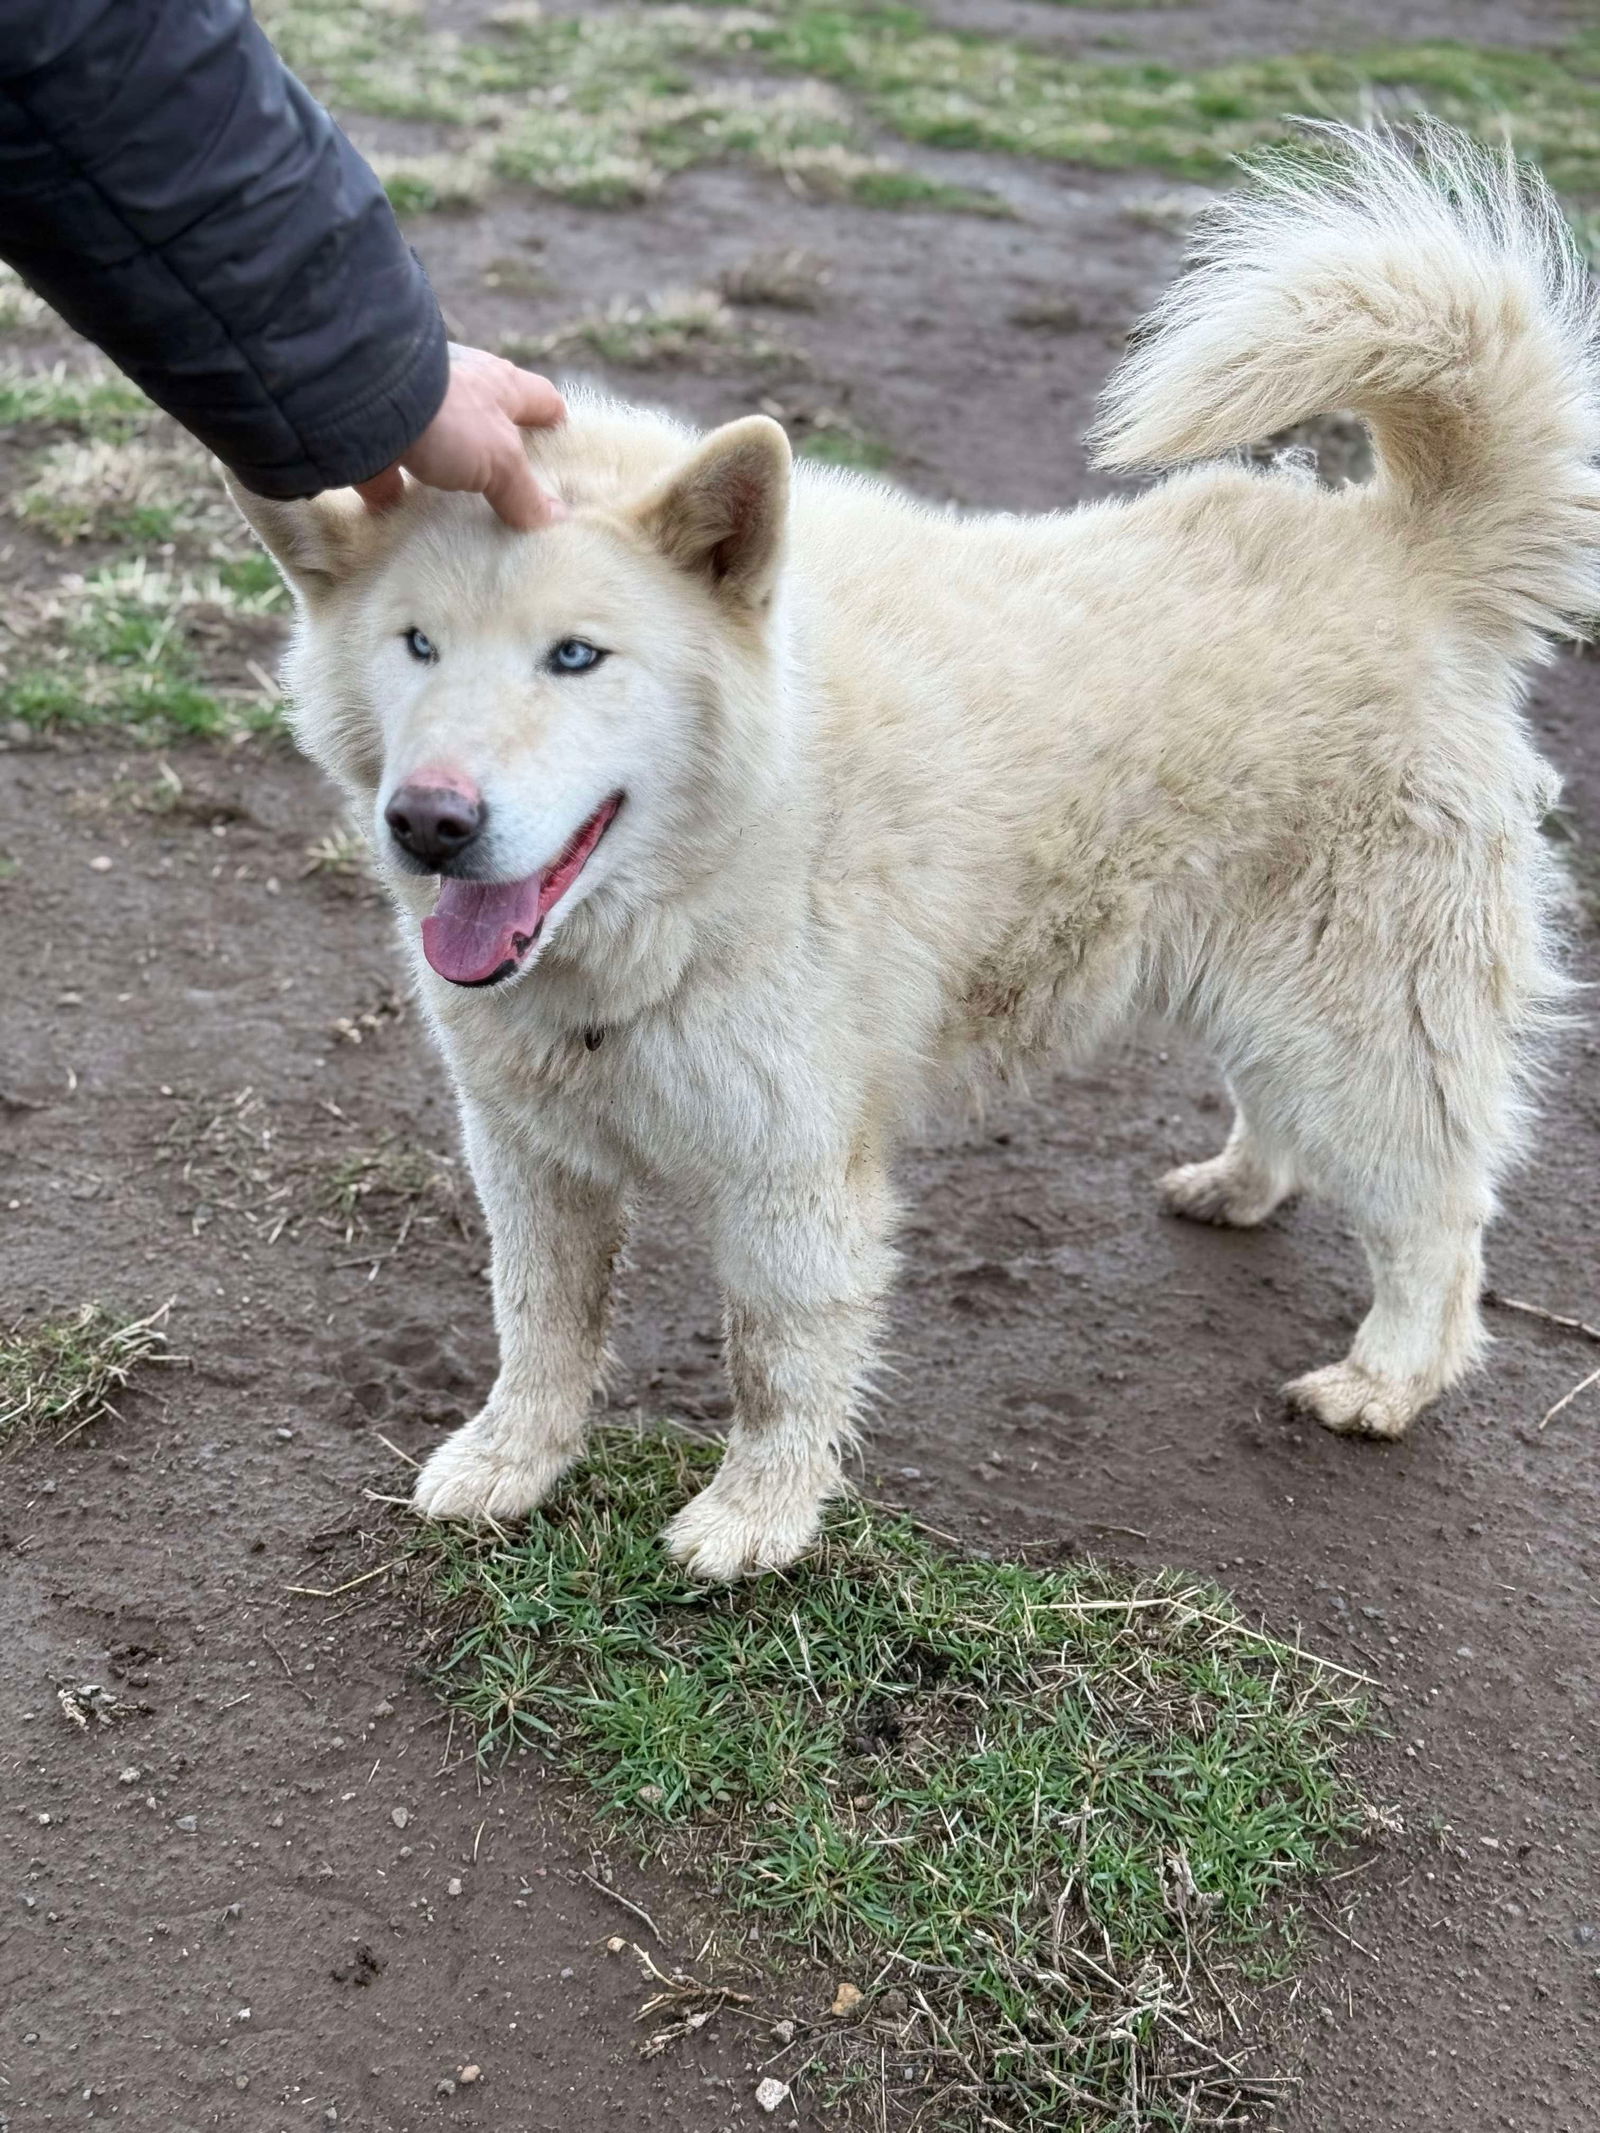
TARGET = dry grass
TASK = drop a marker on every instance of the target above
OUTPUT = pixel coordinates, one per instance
(265, 1172)
(789, 279)
(145, 491)
(63, 1375)
(436, 184)
(21, 312)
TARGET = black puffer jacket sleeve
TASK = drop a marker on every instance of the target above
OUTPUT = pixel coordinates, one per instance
(170, 188)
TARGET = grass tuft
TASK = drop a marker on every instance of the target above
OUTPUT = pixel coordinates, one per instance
(1050, 1820)
(93, 403)
(64, 1374)
(788, 278)
(676, 327)
(436, 184)
(125, 647)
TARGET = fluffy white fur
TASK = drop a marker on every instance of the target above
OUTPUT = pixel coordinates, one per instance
(909, 791)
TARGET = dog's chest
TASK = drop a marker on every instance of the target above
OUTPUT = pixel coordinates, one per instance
(641, 1101)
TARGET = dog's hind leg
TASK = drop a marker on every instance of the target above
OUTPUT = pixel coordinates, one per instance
(1423, 1331)
(1395, 1082)
(805, 1262)
(1238, 1188)
(556, 1236)
(1405, 1135)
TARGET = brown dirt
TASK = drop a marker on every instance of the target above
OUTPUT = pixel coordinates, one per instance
(1077, 1370)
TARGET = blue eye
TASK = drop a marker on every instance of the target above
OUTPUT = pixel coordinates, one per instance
(420, 647)
(573, 656)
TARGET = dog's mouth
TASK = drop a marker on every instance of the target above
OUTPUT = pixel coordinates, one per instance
(480, 932)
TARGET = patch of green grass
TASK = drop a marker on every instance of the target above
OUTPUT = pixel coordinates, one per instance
(841, 444)
(135, 490)
(424, 185)
(1044, 1818)
(600, 108)
(606, 105)
(968, 92)
(64, 1374)
(94, 403)
(117, 651)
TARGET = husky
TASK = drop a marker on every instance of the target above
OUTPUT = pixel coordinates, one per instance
(737, 815)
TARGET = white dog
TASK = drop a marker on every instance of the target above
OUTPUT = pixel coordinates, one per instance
(750, 804)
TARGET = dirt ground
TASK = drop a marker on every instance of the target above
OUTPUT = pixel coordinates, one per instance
(276, 1893)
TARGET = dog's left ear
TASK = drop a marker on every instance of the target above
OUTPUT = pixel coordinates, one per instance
(318, 544)
(723, 516)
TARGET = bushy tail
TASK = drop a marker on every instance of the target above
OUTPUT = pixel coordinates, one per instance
(1432, 287)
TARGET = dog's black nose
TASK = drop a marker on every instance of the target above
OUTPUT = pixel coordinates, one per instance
(434, 823)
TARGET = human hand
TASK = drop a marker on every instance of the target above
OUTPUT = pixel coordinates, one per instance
(475, 442)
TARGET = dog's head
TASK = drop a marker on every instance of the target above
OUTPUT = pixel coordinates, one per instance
(552, 720)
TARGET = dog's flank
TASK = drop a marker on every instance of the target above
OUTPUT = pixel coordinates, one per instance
(891, 793)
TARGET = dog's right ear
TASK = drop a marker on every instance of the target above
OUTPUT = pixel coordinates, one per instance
(316, 544)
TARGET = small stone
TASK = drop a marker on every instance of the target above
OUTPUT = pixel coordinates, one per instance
(444, 2088)
(399, 1816)
(130, 1775)
(188, 1824)
(846, 2000)
(650, 1795)
(770, 2093)
(569, 1972)
(453, 1886)
(893, 2004)
(469, 2074)
(783, 2032)
(616, 1944)
(100, 863)
(385, 1709)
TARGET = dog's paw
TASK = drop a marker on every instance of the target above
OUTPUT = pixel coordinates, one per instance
(1352, 1402)
(1221, 1191)
(728, 1532)
(477, 1474)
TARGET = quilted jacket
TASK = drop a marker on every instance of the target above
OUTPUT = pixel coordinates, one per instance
(170, 188)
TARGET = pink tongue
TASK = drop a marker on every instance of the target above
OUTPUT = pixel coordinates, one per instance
(479, 926)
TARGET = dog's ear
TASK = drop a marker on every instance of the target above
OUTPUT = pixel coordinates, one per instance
(722, 517)
(319, 543)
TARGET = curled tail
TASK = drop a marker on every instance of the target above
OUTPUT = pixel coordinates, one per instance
(1433, 289)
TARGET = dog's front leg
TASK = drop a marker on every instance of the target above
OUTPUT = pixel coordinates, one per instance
(804, 1263)
(555, 1236)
